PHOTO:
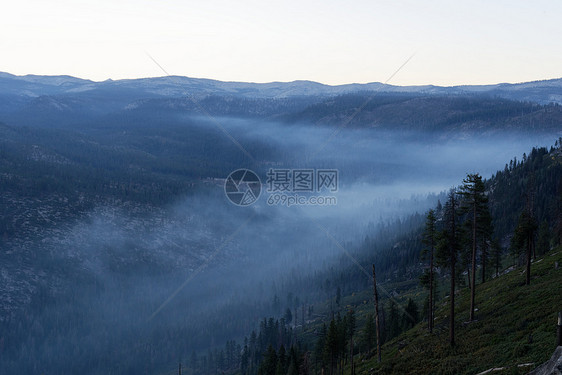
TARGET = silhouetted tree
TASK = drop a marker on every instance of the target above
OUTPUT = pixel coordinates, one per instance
(475, 203)
(496, 255)
(368, 333)
(429, 240)
(288, 316)
(523, 238)
(410, 316)
(447, 252)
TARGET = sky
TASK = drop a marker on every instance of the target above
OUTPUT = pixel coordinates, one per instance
(333, 42)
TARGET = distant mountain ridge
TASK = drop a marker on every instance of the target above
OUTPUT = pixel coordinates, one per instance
(543, 92)
(73, 103)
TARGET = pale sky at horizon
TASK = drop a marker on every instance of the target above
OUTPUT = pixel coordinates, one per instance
(333, 42)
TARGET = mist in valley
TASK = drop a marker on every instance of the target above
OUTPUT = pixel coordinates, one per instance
(124, 281)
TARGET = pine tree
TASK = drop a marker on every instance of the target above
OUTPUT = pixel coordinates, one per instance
(288, 316)
(319, 350)
(475, 203)
(447, 252)
(393, 320)
(465, 251)
(429, 240)
(331, 345)
(338, 296)
(368, 333)
(410, 316)
(485, 229)
(341, 327)
(245, 357)
(523, 238)
(377, 315)
(269, 364)
(281, 362)
(350, 332)
(293, 362)
(496, 255)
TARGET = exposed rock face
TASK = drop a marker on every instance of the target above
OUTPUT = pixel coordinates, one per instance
(552, 367)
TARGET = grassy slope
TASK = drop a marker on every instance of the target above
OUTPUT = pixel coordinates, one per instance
(515, 324)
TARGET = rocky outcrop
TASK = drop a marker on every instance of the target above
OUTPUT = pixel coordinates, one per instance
(552, 367)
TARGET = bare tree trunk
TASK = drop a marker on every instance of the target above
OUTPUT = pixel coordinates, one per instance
(559, 330)
(351, 355)
(377, 324)
(528, 278)
(433, 311)
(431, 288)
(453, 261)
(531, 210)
(473, 279)
(452, 301)
(483, 263)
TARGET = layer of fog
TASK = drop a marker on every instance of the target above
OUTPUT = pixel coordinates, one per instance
(186, 265)
(378, 166)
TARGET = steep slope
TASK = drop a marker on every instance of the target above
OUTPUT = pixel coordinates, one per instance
(516, 324)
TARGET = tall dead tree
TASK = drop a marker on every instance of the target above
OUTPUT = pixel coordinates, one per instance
(377, 323)
(523, 238)
(429, 239)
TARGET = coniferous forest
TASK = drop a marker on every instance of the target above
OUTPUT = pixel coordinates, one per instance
(122, 253)
(333, 345)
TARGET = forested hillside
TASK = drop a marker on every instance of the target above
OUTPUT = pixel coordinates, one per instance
(513, 323)
(116, 226)
(267, 188)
